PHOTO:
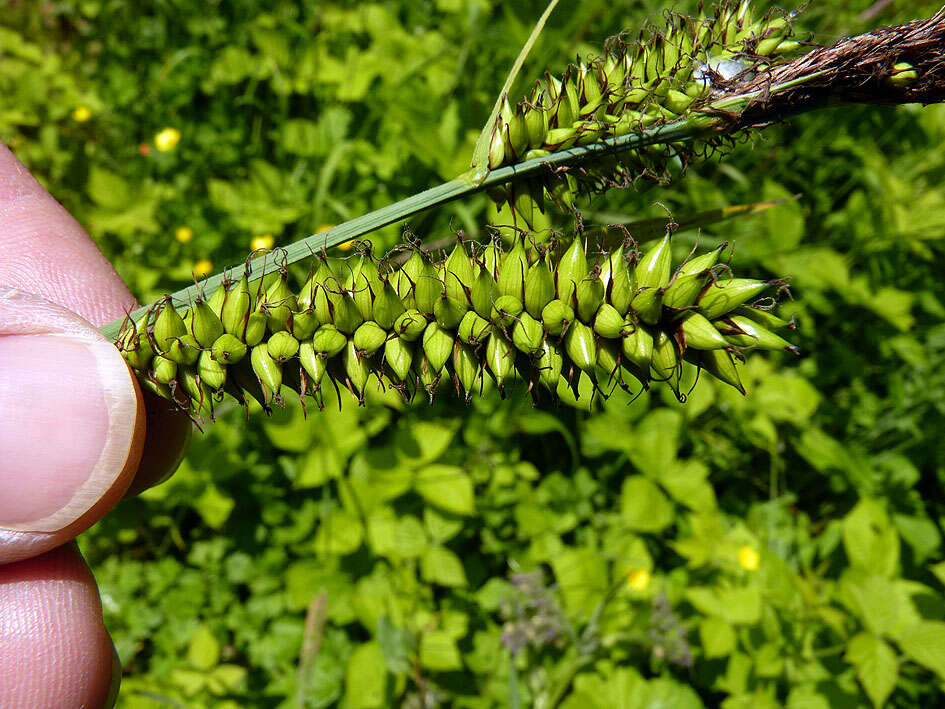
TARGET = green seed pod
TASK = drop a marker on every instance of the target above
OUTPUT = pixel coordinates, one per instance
(164, 370)
(205, 326)
(527, 334)
(608, 322)
(539, 288)
(590, 296)
(448, 312)
(638, 347)
(278, 304)
(268, 372)
(314, 283)
(398, 355)
(719, 364)
(437, 346)
(549, 366)
(473, 330)
(647, 305)
(328, 341)
(428, 289)
(500, 359)
(572, 269)
(236, 308)
(410, 325)
(369, 338)
(491, 258)
(184, 350)
(497, 146)
(345, 314)
(387, 306)
(282, 346)
(683, 291)
(511, 280)
(365, 285)
(701, 264)
(481, 292)
(312, 362)
(745, 332)
(328, 292)
(135, 347)
(255, 328)
(608, 357)
(200, 399)
(665, 363)
(458, 272)
(466, 366)
(506, 309)
(556, 317)
(356, 369)
(654, 268)
(303, 325)
(211, 372)
(168, 327)
(217, 300)
(765, 318)
(700, 334)
(228, 349)
(618, 281)
(428, 377)
(580, 346)
(722, 297)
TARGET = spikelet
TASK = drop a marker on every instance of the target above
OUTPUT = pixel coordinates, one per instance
(545, 315)
(661, 75)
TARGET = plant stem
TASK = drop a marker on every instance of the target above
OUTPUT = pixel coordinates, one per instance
(854, 70)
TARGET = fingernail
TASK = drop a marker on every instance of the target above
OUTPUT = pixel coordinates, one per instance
(67, 412)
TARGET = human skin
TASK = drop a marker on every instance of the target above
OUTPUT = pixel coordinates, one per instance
(76, 435)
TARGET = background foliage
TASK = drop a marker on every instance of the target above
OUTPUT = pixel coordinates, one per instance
(781, 549)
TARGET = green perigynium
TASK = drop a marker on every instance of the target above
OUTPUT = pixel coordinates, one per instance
(483, 317)
(665, 73)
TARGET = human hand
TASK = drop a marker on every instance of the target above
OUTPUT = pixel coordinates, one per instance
(76, 435)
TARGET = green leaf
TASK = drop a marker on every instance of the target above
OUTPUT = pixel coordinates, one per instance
(365, 678)
(664, 693)
(738, 606)
(643, 506)
(438, 652)
(806, 696)
(717, 637)
(870, 540)
(653, 446)
(582, 577)
(876, 666)
(203, 652)
(339, 533)
(441, 566)
(396, 645)
(874, 599)
(448, 487)
(925, 644)
(214, 507)
(108, 189)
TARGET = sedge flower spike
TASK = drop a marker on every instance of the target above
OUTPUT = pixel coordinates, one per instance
(481, 318)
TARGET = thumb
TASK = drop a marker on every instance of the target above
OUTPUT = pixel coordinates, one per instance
(71, 425)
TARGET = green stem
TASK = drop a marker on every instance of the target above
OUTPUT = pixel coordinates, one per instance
(690, 128)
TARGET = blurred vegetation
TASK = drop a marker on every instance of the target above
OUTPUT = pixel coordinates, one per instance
(782, 549)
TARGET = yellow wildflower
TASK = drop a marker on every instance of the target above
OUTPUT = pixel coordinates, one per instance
(638, 579)
(81, 114)
(748, 558)
(167, 139)
(203, 267)
(184, 234)
(262, 242)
